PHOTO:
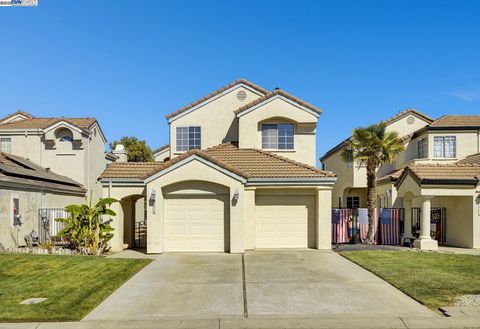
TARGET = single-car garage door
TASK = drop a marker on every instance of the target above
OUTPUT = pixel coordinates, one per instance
(285, 221)
(195, 223)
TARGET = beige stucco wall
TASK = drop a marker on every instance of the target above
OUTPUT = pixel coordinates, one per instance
(197, 172)
(280, 111)
(216, 119)
(29, 203)
(467, 143)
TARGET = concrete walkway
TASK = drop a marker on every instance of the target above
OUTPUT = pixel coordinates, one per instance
(307, 283)
(264, 323)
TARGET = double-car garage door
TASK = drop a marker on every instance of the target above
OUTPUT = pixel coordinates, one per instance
(200, 223)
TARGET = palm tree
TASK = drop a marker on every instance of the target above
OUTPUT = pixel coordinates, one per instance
(372, 146)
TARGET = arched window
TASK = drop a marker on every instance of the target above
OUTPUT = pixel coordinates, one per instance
(65, 135)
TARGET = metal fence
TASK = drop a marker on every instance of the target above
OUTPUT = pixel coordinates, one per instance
(141, 234)
(48, 227)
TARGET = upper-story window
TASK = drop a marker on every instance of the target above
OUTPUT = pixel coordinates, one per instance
(444, 147)
(422, 148)
(277, 136)
(65, 135)
(6, 144)
(188, 138)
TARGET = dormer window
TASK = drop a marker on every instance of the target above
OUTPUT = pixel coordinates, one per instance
(277, 136)
(188, 138)
(65, 135)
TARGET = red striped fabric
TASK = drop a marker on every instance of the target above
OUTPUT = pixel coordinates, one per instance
(340, 219)
(390, 233)
(364, 228)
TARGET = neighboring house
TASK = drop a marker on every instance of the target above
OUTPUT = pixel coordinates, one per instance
(239, 175)
(28, 192)
(437, 176)
(74, 147)
(162, 153)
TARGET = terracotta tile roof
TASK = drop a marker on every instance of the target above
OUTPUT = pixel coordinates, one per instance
(26, 114)
(473, 158)
(455, 173)
(216, 92)
(161, 148)
(248, 163)
(15, 169)
(129, 170)
(281, 93)
(448, 121)
(391, 176)
(42, 123)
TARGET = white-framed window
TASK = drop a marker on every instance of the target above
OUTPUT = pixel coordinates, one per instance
(6, 144)
(422, 148)
(445, 147)
(188, 138)
(278, 136)
(353, 202)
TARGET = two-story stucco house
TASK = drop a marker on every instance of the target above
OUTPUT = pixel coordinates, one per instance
(73, 147)
(45, 165)
(239, 173)
(439, 170)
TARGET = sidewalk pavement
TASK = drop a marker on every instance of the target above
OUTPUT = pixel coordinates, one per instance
(264, 323)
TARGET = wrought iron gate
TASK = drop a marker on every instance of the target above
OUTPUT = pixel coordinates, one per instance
(141, 234)
(48, 227)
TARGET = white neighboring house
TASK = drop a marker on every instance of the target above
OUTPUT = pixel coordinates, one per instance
(73, 147)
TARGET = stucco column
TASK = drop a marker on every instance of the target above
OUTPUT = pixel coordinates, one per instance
(407, 216)
(237, 219)
(116, 242)
(324, 218)
(155, 216)
(425, 242)
(250, 218)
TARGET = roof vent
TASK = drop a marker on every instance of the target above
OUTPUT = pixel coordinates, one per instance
(241, 95)
(410, 120)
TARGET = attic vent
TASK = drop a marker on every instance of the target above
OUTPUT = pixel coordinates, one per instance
(241, 95)
(410, 120)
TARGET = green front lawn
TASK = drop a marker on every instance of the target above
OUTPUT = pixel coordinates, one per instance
(433, 279)
(74, 285)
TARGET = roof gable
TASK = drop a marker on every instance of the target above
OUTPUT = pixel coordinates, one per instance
(443, 174)
(217, 93)
(278, 94)
(16, 116)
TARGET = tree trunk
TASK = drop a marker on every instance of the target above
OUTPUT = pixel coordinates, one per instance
(371, 202)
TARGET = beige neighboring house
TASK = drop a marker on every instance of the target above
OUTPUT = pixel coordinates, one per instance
(240, 174)
(436, 178)
(26, 190)
(73, 147)
(162, 153)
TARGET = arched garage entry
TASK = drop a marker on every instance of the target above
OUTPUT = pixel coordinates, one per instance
(196, 217)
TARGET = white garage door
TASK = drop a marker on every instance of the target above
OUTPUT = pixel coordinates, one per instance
(285, 221)
(195, 223)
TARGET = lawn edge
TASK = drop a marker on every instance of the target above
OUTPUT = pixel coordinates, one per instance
(436, 310)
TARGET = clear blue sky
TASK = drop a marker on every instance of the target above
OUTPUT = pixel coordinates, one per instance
(128, 63)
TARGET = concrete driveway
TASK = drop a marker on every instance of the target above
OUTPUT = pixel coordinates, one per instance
(274, 283)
